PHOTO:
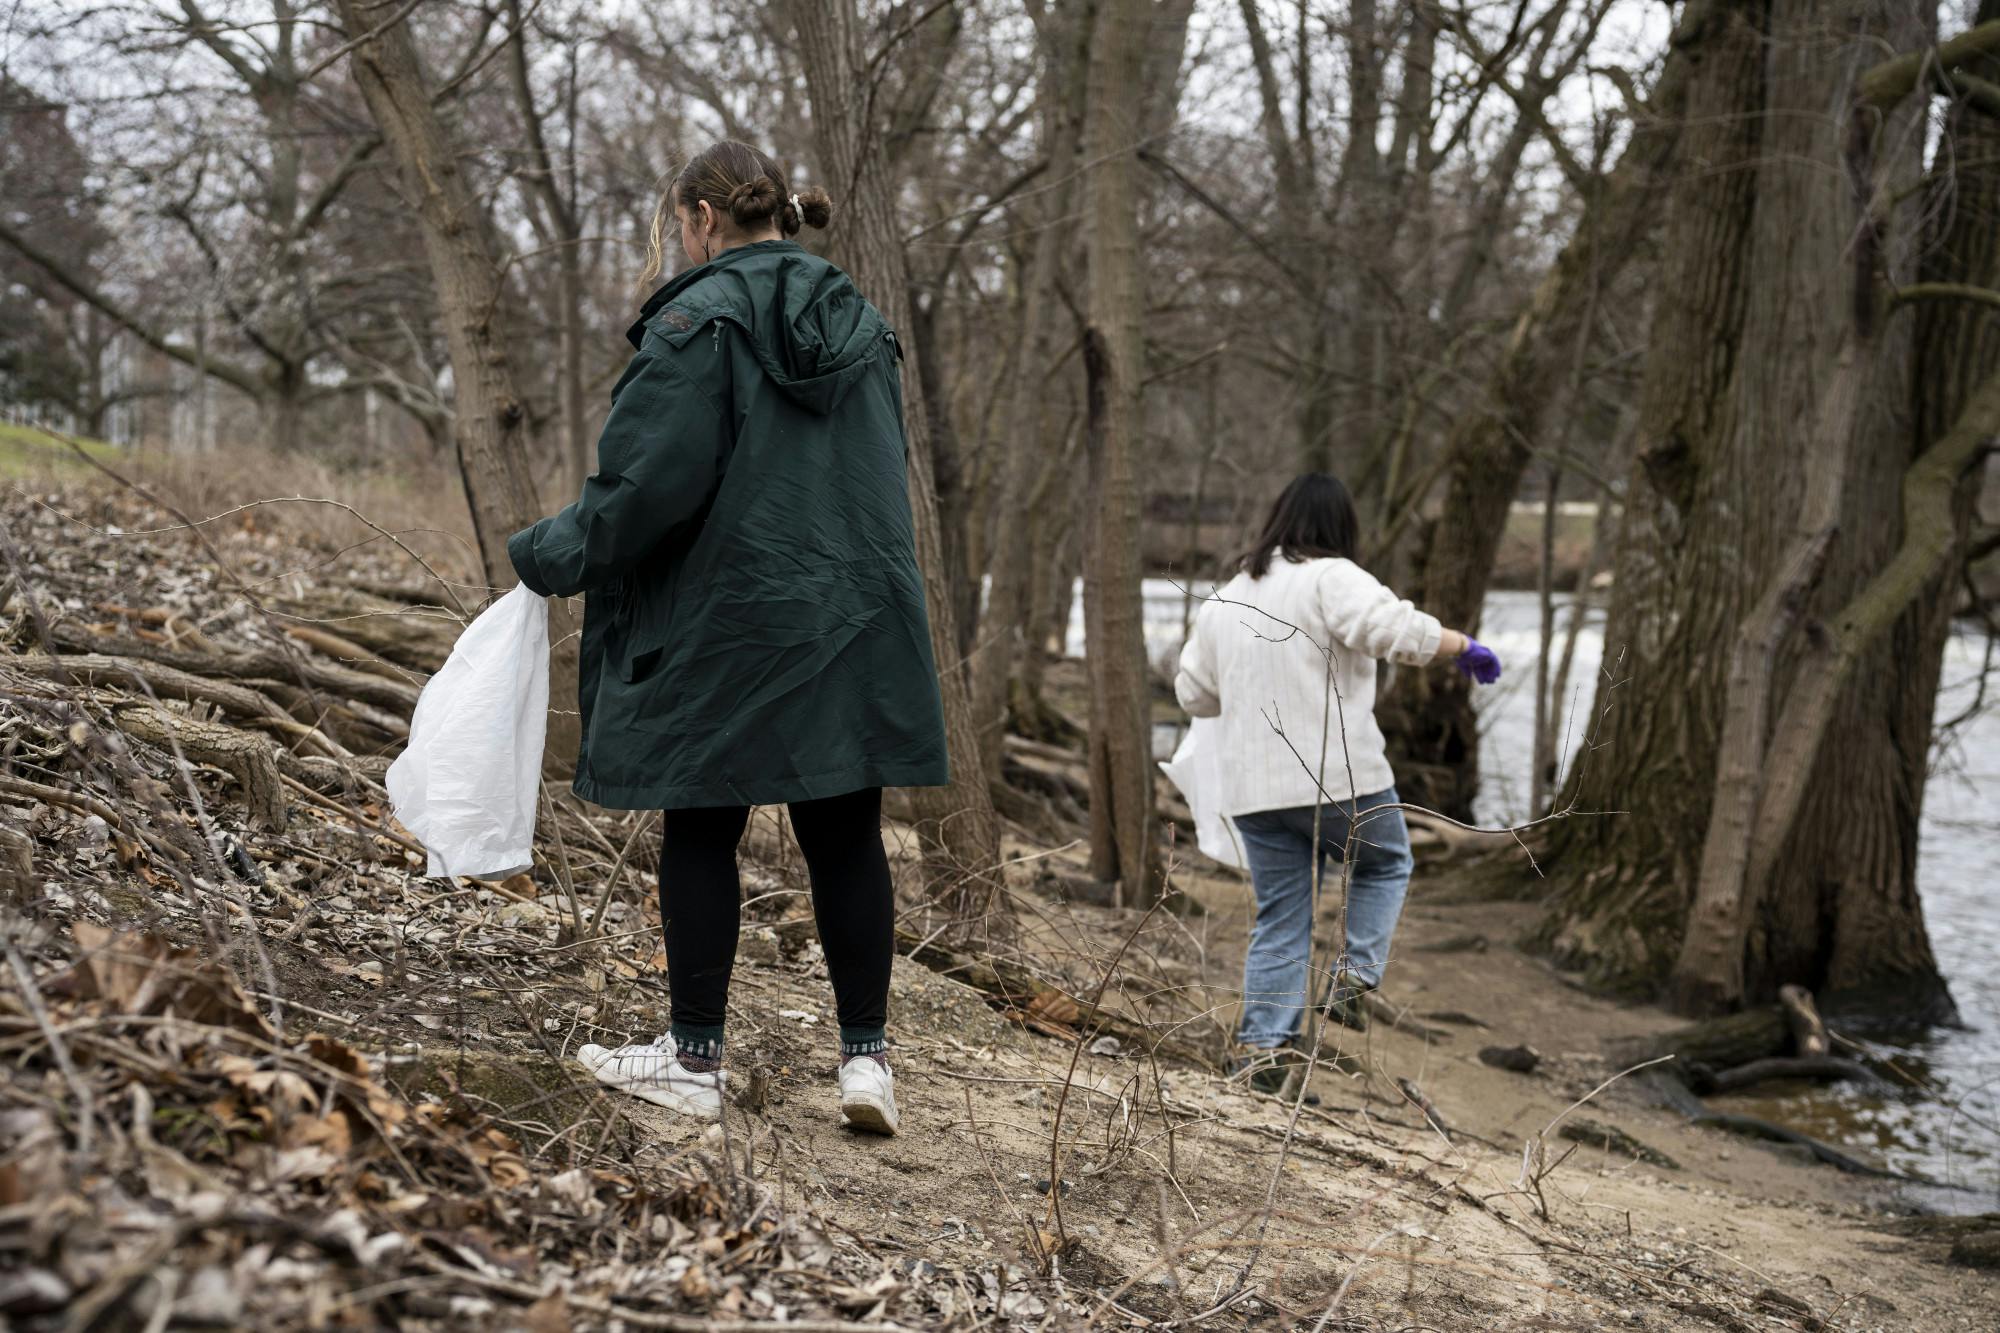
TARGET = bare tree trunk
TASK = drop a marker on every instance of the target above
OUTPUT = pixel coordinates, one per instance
(960, 830)
(1025, 449)
(1121, 768)
(488, 424)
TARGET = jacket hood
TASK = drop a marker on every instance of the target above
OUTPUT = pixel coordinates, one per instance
(813, 332)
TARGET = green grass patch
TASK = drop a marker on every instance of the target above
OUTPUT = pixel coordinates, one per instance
(26, 452)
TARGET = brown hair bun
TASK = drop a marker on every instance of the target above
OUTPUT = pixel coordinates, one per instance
(815, 207)
(753, 201)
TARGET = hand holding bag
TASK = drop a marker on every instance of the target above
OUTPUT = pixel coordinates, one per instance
(468, 781)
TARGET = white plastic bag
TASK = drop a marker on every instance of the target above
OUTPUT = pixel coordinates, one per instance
(1196, 769)
(468, 782)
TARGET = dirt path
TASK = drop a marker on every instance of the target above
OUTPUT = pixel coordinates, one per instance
(1425, 1232)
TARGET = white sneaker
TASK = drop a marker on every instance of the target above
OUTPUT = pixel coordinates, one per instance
(653, 1071)
(868, 1094)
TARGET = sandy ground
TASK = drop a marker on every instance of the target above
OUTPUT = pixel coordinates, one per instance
(1374, 1216)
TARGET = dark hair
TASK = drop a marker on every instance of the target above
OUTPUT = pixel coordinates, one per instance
(741, 183)
(1312, 520)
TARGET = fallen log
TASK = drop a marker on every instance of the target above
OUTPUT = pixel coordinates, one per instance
(246, 756)
(421, 593)
(330, 776)
(1033, 812)
(346, 651)
(166, 682)
(398, 695)
(1824, 1067)
(1721, 1043)
(397, 631)
(361, 714)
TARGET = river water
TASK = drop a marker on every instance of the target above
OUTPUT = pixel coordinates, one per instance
(1951, 1134)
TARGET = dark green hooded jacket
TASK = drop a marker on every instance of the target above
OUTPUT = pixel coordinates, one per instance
(754, 631)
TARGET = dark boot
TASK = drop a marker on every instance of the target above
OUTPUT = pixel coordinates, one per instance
(1346, 1001)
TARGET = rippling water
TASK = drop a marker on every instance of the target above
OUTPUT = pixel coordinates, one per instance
(1951, 1136)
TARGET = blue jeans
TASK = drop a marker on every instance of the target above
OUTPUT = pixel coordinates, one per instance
(1278, 844)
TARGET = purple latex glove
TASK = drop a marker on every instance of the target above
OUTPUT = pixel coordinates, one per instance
(1479, 662)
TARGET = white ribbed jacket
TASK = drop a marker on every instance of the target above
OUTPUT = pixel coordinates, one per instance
(1257, 659)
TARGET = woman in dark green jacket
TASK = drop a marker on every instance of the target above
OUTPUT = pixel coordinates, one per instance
(754, 629)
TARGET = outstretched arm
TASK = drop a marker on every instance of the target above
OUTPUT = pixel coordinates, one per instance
(1365, 616)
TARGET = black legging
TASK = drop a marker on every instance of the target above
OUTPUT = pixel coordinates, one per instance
(853, 902)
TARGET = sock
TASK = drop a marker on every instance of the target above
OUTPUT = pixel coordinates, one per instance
(863, 1041)
(698, 1049)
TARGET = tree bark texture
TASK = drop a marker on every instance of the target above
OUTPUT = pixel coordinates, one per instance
(961, 833)
(1121, 767)
(489, 425)
(1770, 364)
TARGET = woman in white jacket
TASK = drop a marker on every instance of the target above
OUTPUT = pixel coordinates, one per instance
(1284, 654)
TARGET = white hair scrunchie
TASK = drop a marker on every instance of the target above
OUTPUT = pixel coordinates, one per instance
(796, 209)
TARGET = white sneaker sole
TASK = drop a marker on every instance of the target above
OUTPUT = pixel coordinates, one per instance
(700, 1107)
(869, 1114)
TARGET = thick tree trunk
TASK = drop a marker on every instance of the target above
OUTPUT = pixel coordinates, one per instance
(961, 833)
(1652, 736)
(1121, 767)
(1427, 716)
(1809, 867)
(1882, 643)
(488, 424)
